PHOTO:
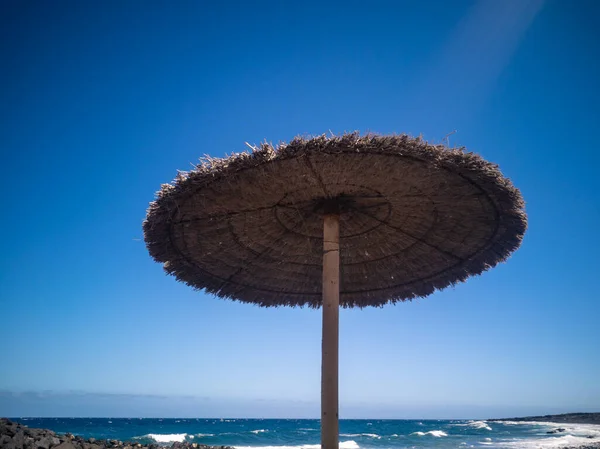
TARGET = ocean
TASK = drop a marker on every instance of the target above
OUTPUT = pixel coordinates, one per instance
(305, 433)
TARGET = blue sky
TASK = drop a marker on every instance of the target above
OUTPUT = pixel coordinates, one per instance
(101, 103)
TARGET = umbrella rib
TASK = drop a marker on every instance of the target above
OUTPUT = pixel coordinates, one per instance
(418, 239)
(317, 177)
(371, 206)
(249, 262)
(247, 211)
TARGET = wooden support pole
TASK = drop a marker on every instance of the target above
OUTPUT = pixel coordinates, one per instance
(331, 302)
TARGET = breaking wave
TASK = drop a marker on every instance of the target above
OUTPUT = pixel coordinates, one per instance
(165, 438)
(433, 433)
(370, 435)
(475, 425)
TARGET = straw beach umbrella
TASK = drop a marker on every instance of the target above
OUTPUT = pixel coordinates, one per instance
(330, 221)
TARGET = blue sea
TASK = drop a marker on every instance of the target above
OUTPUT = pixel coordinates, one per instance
(305, 433)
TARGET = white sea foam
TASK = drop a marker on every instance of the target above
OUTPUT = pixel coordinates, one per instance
(346, 445)
(528, 423)
(202, 435)
(573, 435)
(480, 425)
(259, 431)
(573, 429)
(475, 425)
(343, 445)
(434, 433)
(370, 435)
(166, 438)
(547, 424)
(550, 443)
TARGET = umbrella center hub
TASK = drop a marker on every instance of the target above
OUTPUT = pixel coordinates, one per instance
(361, 212)
(337, 205)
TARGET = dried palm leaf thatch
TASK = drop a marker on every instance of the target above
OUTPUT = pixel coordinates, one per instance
(414, 217)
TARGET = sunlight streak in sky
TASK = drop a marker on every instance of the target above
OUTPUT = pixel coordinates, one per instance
(482, 44)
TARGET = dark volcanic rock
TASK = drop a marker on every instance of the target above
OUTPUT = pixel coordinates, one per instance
(44, 443)
(572, 418)
(15, 436)
(91, 445)
(18, 440)
(66, 445)
(587, 446)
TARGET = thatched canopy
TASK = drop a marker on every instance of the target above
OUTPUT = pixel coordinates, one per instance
(414, 217)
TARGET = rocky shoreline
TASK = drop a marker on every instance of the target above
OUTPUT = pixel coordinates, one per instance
(17, 436)
(564, 418)
(567, 418)
(586, 446)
